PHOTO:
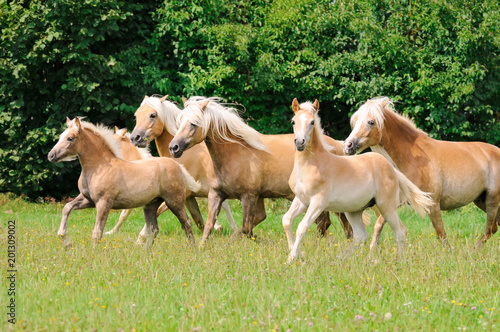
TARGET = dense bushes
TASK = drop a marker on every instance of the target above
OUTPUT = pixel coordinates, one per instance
(438, 59)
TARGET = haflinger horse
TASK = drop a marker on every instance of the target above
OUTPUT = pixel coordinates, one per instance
(455, 173)
(129, 153)
(156, 119)
(324, 181)
(109, 182)
(249, 166)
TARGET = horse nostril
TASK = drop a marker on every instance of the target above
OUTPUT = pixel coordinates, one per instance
(137, 138)
(349, 145)
(175, 148)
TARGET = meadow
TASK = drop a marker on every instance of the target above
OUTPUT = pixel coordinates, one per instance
(246, 285)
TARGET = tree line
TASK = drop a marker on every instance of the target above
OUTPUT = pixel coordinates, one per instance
(439, 60)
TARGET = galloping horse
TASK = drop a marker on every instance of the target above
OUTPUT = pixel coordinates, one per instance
(248, 165)
(324, 181)
(455, 173)
(156, 119)
(129, 153)
(109, 182)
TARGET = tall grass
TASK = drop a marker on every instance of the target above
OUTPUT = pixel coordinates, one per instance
(245, 285)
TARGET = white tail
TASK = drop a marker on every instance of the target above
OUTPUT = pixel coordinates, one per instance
(191, 183)
(409, 193)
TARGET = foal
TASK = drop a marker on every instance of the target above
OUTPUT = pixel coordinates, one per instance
(109, 182)
(324, 181)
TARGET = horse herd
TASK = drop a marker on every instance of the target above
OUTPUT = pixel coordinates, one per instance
(217, 155)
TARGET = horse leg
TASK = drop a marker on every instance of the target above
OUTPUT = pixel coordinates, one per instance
(229, 215)
(315, 208)
(377, 230)
(215, 199)
(79, 203)
(322, 223)
(492, 202)
(295, 209)
(358, 230)
(194, 210)
(151, 229)
(259, 214)
(179, 211)
(437, 222)
(482, 205)
(123, 217)
(345, 225)
(397, 226)
(102, 208)
(163, 207)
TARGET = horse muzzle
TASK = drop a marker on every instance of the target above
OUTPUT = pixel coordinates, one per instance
(53, 157)
(139, 139)
(350, 147)
(177, 148)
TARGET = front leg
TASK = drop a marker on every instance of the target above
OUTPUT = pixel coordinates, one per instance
(315, 208)
(295, 209)
(102, 207)
(215, 199)
(79, 203)
(150, 230)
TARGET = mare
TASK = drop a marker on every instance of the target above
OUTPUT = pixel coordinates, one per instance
(324, 181)
(455, 173)
(156, 119)
(249, 166)
(109, 182)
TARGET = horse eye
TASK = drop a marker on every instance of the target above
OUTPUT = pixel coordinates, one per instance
(152, 115)
(371, 122)
(193, 125)
(312, 123)
(70, 139)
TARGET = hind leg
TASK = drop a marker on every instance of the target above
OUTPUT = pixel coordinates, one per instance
(360, 234)
(194, 210)
(323, 222)
(150, 230)
(482, 205)
(229, 215)
(492, 203)
(123, 217)
(377, 231)
(179, 211)
(259, 214)
(392, 218)
(163, 207)
(215, 199)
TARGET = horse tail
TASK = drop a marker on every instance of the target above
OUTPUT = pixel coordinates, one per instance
(191, 183)
(366, 218)
(409, 193)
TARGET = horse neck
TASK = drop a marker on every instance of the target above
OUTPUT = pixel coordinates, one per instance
(219, 149)
(129, 151)
(162, 143)
(313, 151)
(94, 152)
(397, 138)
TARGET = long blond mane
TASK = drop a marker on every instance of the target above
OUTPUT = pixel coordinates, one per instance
(376, 108)
(167, 112)
(308, 106)
(224, 122)
(106, 134)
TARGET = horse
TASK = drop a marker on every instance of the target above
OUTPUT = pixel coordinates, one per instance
(109, 182)
(455, 173)
(129, 153)
(324, 181)
(249, 166)
(156, 119)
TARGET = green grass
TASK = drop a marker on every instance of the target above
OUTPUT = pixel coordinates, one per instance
(245, 286)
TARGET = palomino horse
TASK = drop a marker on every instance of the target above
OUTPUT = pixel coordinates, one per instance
(455, 173)
(129, 153)
(248, 165)
(324, 181)
(156, 119)
(109, 182)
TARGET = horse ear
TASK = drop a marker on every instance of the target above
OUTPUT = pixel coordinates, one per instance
(116, 129)
(78, 125)
(316, 106)
(67, 121)
(145, 97)
(295, 105)
(184, 100)
(162, 99)
(204, 105)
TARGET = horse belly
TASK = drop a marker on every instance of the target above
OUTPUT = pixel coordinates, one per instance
(341, 202)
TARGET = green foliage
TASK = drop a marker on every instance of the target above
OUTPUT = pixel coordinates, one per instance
(438, 59)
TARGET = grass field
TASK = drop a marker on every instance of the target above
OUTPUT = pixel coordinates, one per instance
(245, 286)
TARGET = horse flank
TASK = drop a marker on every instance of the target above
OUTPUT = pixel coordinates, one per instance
(224, 122)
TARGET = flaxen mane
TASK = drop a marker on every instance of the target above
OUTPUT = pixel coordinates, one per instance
(106, 134)
(167, 112)
(225, 122)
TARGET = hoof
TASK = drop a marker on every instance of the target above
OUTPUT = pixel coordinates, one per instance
(236, 236)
